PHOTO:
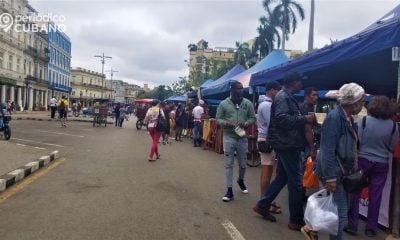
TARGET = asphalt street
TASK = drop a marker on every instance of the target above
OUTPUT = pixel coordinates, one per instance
(104, 188)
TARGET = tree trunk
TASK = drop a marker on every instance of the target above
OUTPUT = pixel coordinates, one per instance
(311, 31)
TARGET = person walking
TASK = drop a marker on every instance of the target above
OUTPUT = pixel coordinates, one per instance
(180, 118)
(116, 113)
(53, 107)
(267, 157)
(151, 117)
(286, 136)
(122, 115)
(235, 114)
(378, 136)
(198, 114)
(63, 111)
(339, 141)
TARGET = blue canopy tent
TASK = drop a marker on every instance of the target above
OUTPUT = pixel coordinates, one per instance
(365, 58)
(214, 90)
(274, 58)
(176, 99)
(193, 94)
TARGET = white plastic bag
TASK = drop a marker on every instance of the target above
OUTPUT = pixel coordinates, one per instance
(321, 213)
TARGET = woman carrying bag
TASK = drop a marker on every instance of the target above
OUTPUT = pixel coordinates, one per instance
(154, 118)
(378, 137)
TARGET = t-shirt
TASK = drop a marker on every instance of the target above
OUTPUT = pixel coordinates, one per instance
(152, 114)
(198, 111)
(53, 102)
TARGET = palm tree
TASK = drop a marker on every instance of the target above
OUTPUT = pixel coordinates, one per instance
(311, 31)
(242, 53)
(285, 13)
(267, 36)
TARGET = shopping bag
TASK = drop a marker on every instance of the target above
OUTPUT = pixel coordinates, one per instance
(310, 179)
(321, 213)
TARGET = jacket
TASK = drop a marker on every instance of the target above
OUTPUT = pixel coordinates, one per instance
(338, 142)
(286, 130)
(228, 112)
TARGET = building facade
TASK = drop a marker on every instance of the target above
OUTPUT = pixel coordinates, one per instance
(59, 67)
(23, 62)
(87, 87)
(202, 57)
(131, 91)
(118, 90)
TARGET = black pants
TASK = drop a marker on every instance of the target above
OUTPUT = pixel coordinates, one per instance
(53, 112)
(121, 121)
(116, 120)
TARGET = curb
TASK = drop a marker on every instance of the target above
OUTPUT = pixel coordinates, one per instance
(68, 120)
(9, 179)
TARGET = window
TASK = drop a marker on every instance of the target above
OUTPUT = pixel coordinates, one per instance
(18, 64)
(50, 76)
(1, 59)
(10, 62)
(40, 73)
(25, 66)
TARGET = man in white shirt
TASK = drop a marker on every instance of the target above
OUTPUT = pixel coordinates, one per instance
(197, 113)
(53, 106)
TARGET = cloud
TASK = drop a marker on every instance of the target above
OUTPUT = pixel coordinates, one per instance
(148, 38)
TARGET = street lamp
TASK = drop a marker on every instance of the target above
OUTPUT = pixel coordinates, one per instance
(28, 80)
(103, 61)
(112, 74)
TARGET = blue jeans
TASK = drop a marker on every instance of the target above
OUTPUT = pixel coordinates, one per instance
(341, 199)
(197, 133)
(232, 145)
(288, 171)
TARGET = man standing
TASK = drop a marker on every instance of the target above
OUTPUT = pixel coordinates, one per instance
(53, 107)
(286, 135)
(63, 110)
(267, 155)
(306, 108)
(198, 113)
(116, 113)
(235, 114)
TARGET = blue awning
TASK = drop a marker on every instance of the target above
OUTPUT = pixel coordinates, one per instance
(176, 99)
(365, 58)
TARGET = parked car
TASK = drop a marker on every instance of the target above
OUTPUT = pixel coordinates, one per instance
(87, 111)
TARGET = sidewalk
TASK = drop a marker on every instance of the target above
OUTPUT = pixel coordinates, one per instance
(45, 116)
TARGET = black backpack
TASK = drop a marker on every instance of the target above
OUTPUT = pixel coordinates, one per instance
(62, 105)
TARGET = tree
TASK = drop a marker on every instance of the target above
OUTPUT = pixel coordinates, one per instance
(143, 94)
(192, 47)
(242, 54)
(268, 35)
(311, 30)
(181, 86)
(285, 13)
(161, 92)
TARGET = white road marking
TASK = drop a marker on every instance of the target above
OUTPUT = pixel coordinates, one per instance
(232, 230)
(49, 144)
(22, 145)
(40, 148)
(59, 133)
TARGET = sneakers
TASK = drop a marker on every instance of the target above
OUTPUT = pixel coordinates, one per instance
(264, 213)
(228, 195)
(242, 186)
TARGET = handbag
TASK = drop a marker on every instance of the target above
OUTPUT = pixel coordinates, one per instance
(264, 147)
(353, 181)
(161, 126)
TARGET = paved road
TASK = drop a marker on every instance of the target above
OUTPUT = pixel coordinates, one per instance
(104, 188)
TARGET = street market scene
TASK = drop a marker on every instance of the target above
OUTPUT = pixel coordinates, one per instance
(118, 120)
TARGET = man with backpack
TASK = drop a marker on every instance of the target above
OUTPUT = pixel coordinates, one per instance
(63, 110)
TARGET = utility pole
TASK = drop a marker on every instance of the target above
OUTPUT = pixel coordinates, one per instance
(112, 71)
(103, 61)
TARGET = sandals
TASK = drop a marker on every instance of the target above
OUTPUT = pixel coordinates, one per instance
(275, 208)
(309, 234)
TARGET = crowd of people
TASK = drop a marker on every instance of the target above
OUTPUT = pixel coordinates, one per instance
(288, 135)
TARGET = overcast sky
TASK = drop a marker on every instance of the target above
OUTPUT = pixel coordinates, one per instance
(148, 39)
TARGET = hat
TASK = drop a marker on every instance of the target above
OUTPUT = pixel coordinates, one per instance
(201, 102)
(273, 85)
(350, 93)
(291, 77)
